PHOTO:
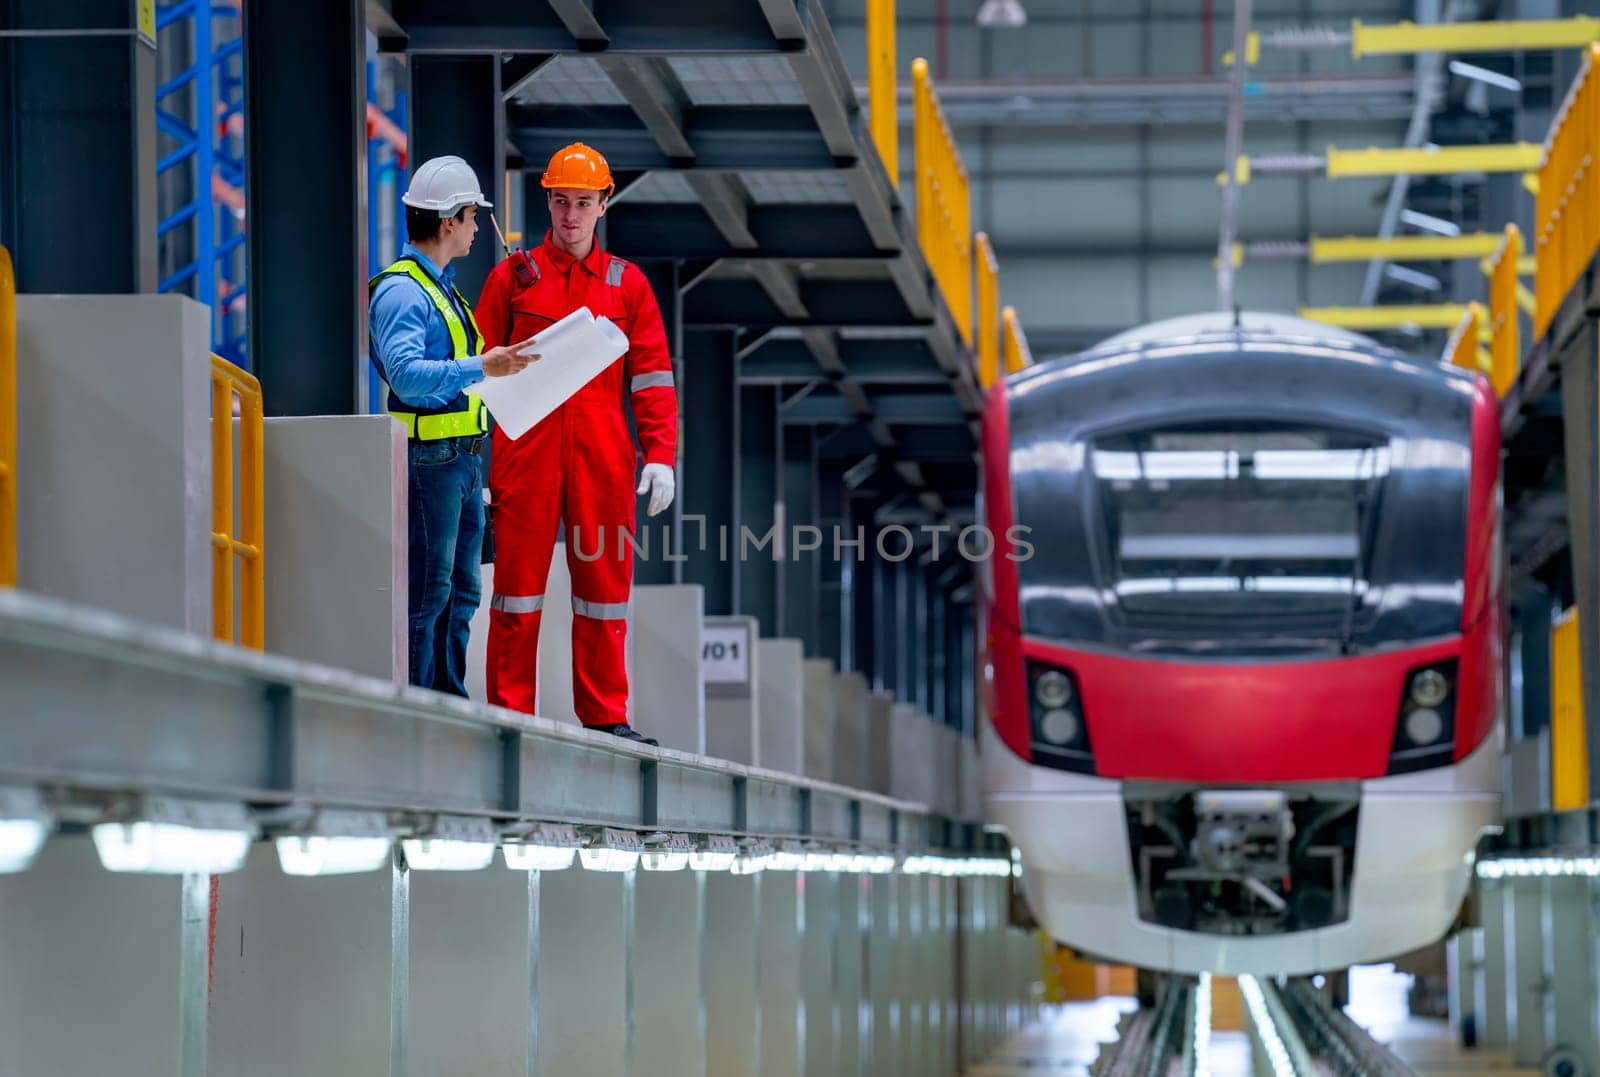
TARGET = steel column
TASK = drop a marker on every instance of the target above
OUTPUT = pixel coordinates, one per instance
(954, 660)
(1534, 608)
(864, 592)
(798, 570)
(305, 194)
(78, 150)
(455, 109)
(905, 630)
(835, 573)
(921, 634)
(756, 456)
(710, 445)
(1579, 385)
(885, 612)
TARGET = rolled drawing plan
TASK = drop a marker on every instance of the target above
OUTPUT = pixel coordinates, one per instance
(572, 352)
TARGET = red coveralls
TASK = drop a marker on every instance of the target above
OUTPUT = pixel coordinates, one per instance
(579, 465)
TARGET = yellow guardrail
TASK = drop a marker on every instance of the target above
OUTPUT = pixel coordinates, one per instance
(883, 105)
(988, 272)
(1430, 316)
(1566, 220)
(1465, 348)
(1431, 161)
(1328, 249)
(944, 201)
(1508, 35)
(8, 421)
(1017, 354)
(246, 543)
(1569, 751)
(1505, 345)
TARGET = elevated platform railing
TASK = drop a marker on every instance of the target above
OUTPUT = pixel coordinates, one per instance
(1505, 336)
(1465, 348)
(963, 265)
(1567, 209)
(1018, 355)
(944, 201)
(241, 537)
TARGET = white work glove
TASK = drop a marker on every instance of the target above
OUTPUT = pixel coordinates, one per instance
(658, 481)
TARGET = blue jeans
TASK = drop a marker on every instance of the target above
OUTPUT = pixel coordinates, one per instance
(446, 504)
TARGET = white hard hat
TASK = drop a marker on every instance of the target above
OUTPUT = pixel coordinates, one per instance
(445, 184)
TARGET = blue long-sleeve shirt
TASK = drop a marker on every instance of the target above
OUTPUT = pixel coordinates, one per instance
(411, 343)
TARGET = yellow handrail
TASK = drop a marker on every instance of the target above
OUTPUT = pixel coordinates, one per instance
(883, 106)
(8, 421)
(1464, 348)
(1018, 355)
(988, 312)
(944, 204)
(247, 544)
(1425, 316)
(1566, 220)
(1505, 355)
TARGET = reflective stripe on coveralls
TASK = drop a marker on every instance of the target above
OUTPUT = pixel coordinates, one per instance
(651, 381)
(517, 603)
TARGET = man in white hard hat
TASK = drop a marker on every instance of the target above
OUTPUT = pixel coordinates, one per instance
(428, 350)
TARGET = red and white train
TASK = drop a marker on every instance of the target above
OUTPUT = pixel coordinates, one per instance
(1242, 696)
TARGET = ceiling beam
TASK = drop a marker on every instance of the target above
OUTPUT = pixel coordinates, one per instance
(656, 97)
(520, 69)
(718, 137)
(723, 198)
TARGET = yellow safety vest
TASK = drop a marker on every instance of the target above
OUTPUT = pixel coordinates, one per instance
(453, 420)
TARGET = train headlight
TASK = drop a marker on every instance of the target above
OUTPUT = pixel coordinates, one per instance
(1053, 690)
(1423, 726)
(1059, 726)
(1429, 688)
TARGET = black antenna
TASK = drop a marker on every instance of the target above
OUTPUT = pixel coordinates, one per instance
(1236, 316)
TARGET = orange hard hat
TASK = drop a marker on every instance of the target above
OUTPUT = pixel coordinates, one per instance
(578, 166)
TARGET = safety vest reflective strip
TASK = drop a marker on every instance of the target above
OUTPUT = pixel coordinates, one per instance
(433, 426)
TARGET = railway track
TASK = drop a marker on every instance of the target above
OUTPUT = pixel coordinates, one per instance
(1294, 1029)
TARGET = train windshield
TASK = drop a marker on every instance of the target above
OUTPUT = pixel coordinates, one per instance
(1235, 501)
(1208, 528)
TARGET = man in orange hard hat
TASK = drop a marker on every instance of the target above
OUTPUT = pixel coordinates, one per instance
(578, 464)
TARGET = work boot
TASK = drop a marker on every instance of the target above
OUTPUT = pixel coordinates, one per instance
(627, 732)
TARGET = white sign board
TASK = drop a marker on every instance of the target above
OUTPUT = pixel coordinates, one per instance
(725, 654)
